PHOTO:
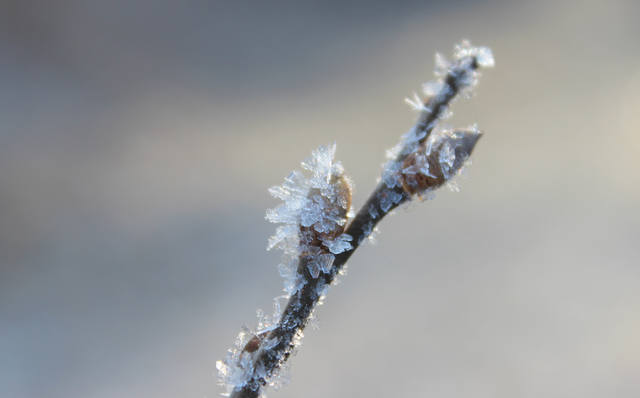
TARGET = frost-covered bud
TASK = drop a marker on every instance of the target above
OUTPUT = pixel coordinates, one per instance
(236, 369)
(483, 55)
(242, 366)
(333, 210)
(314, 213)
(321, 240)
(253, 344)
(439, 160)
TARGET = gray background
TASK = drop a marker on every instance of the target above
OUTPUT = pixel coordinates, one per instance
(138, 139)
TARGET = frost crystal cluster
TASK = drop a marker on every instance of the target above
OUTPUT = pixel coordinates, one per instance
(315, 209)
(313, 215)
(240, 364)
(429, 156)
(317, 232)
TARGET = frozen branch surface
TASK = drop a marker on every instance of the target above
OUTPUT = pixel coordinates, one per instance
(318, 233)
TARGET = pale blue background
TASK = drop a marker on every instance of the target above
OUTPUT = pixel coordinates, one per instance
(138, 140)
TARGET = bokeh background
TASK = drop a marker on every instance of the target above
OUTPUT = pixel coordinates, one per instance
(138, 140)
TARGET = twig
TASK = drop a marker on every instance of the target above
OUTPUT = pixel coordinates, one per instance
(422, 162)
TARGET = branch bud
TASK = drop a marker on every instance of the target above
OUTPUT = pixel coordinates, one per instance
(440, 158)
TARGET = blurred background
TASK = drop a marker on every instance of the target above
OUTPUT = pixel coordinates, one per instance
(138, 140)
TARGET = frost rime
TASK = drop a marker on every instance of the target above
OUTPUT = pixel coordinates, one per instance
(428, 157)
(315, 209)
(321, 203)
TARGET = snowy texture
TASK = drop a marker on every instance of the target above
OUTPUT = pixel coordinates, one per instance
(237, 367)
(315, 209)
(267, 323)
(483, 55)
(442, 157)
(240, 364)
(467, 60)
(416, 103)
(339, 244)
(388, 198)
(427, 156)
(318, 263)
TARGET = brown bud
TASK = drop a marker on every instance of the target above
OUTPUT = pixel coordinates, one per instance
(424, 170)
(254, 343)
(418, 182)
(337, 205)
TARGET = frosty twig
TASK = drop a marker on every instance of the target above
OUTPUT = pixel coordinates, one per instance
(318, 233)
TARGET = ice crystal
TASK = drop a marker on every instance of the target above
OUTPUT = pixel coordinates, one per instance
(446, 157)
(442, 157)
(293, 281)
(325, 261)
(321, 291)
(369, 232)
(441, 66)
(467, 57)
(483, 55)
(420, 166)
(237, 366)
(339, 244)
(463, 69)
(315, 207)
(388, 198)
(390, 175)
(428, 157)
(373, 212)
(432, 88)
(266, 322)
(417, 103)
(317, 260)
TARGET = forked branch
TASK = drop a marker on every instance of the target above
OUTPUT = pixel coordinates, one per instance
(318, 235)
